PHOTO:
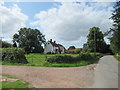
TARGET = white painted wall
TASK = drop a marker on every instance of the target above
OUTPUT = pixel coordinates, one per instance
(48, 48)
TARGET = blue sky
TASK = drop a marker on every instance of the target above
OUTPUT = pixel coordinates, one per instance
(66, 23)
(31, 8)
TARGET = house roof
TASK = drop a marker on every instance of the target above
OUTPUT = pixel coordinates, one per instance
(71, 50)
(54, 44)
(57, 45)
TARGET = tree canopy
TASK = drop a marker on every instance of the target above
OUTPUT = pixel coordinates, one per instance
(71, 47)
(115, 39)
(29, 39)
(95, 41)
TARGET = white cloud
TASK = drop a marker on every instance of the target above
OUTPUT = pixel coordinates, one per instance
(71, 21)
(84, 0)
(1, 2)
(12, 19)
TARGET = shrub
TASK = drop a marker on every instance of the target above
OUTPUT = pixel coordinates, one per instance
(78, 50)
(71, 59)
(13, 55)
(61, 59)
(86, 56)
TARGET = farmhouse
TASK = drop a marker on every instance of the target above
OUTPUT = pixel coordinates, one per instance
(53, 47)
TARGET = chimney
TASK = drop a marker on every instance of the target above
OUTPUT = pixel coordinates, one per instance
(50, 40)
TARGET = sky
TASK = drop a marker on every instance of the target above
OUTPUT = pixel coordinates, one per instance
(67, 23)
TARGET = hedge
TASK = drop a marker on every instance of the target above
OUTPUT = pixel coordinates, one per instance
(71, 59)
(13, 55)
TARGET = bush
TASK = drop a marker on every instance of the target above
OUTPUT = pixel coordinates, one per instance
(60, 59)
(85, 56)
(71, 59)
(78, 50)
(13, 55)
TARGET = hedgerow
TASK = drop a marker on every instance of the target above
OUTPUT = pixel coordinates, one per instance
(13, 55)
(71, 59)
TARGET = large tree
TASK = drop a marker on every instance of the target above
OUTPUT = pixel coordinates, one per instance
(95, 42)
(115, 39)
(29, 39)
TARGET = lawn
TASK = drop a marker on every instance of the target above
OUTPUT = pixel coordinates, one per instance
(39, 60)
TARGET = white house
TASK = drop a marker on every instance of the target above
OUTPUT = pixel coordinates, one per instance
(52, 47)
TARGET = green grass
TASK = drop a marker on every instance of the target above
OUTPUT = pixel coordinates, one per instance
(117, 57)
(16, 84)
(38, 60)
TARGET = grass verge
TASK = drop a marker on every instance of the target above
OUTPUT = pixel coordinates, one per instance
(13, 84)
(16, 84)
(117, 57)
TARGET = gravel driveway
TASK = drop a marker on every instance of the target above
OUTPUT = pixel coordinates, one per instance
(49, 77)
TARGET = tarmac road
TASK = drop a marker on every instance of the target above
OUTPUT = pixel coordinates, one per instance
(106, 73)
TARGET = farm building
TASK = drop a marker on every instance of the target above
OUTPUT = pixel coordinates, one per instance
(54, 48)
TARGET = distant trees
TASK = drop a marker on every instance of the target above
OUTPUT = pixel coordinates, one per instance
(115, 39)
(71, 47)
(29, 39)
(5, 44)
(95, 42)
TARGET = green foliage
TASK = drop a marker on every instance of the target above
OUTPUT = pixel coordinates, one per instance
(70, 59)
(16, 84)
(78, 50)
(13, 55)
(29, 39)
(117, 57)
(70, 51)
(61, 59)
(76, 64)
(71, 47)
(40, 60)
(5, 44)
(95, 41)
(115, 39)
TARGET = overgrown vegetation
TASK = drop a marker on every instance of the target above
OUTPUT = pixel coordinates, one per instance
(41, 60)
(70, 59)
(117, 57)
(115, 39)
(13, 55)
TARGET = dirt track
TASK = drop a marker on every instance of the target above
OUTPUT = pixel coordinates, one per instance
(47, 77)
